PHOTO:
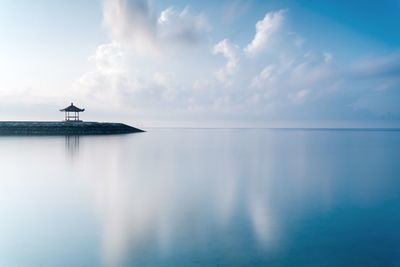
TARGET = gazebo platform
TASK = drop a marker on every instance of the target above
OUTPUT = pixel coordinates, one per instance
(64, 128)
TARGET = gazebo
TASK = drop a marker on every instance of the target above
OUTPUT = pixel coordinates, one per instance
(72, 113)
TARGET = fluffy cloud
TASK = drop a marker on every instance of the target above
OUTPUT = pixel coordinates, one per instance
(109, 58)
(185, 76)
(182, 26)
(229, 51)
(131, 22)
(136, 24)
(264, 30)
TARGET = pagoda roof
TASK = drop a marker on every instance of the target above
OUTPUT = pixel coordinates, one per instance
(72, 108)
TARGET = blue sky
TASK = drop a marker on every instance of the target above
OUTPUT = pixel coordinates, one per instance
(203, 63)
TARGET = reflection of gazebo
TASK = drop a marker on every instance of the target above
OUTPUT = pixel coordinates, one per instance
(72, 113)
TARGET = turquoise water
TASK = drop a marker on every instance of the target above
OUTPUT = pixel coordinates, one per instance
(202, 197)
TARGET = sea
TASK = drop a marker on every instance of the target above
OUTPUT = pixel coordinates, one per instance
(202, 197)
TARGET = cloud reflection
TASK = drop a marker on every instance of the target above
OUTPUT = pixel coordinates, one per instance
(167, 196)
(173, 201)
(158, 196)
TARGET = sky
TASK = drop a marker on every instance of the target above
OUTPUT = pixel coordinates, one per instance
(186, 63)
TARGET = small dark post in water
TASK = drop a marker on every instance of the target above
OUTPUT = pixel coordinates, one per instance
(75, 113)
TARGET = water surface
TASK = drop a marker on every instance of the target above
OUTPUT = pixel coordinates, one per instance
(202, 197)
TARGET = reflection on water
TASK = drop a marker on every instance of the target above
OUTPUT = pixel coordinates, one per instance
(72, 144)
(202, 198)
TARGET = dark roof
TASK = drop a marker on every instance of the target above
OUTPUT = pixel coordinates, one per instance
(72, 108)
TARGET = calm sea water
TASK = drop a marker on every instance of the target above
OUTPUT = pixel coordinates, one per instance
(201, 198)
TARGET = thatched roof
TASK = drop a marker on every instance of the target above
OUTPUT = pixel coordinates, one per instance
(72, 108)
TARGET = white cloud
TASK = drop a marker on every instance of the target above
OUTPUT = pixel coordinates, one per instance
(281, 83)
(166, 15)
(109, 58)
(265, 75)
(144, 67)
(161, 59)
(264, 30)
(135, 24)
(229, 51)
(131, 22)
(182, 26)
